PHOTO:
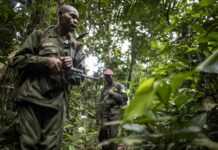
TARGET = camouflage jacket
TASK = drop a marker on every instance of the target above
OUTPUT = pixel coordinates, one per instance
(38, 86)
(112, 99)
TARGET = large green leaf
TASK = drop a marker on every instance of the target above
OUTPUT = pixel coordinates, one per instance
(177, 80)
(145, 87)
(210, 65)
(142, 101)
(138, 106)
(182, 99)
(163, 91)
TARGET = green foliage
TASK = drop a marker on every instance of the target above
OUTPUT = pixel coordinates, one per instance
(142, 101)
(167, 40)
(80, 128)
(163, 91)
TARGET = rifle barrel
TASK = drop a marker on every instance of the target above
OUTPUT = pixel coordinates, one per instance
(82, 35)
(81, 73)
(89, 77)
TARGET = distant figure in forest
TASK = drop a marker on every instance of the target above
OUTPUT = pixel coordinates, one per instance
(43, 62)
(112, 99)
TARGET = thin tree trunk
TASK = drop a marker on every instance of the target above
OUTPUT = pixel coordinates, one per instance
(132, 63)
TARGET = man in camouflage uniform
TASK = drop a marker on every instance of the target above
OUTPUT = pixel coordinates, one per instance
(43, 61)
(112, 99)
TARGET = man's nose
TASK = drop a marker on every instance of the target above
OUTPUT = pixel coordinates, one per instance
(74, 21)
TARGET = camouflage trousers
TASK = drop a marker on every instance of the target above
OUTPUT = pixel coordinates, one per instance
(107, 133)
(39, 128)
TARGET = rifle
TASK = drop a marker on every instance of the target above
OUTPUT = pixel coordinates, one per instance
(72, 72)
(80, 73)
(81, 36)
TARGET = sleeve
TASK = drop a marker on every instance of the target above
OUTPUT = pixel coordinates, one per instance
(120, 95)
(117, 97)
(27, 57)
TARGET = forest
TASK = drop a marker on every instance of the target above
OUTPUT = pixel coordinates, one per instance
(163, 51)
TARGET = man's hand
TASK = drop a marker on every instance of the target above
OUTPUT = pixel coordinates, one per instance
(111, 92)
(55, 64)
(67, 61)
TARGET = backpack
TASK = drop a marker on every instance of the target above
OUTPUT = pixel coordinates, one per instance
(10, 79)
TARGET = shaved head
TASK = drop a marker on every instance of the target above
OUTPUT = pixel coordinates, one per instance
(68, 8)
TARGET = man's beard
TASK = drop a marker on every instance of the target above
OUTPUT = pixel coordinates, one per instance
(71, 29)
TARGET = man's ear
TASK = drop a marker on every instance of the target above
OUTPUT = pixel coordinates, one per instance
(60, 13)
